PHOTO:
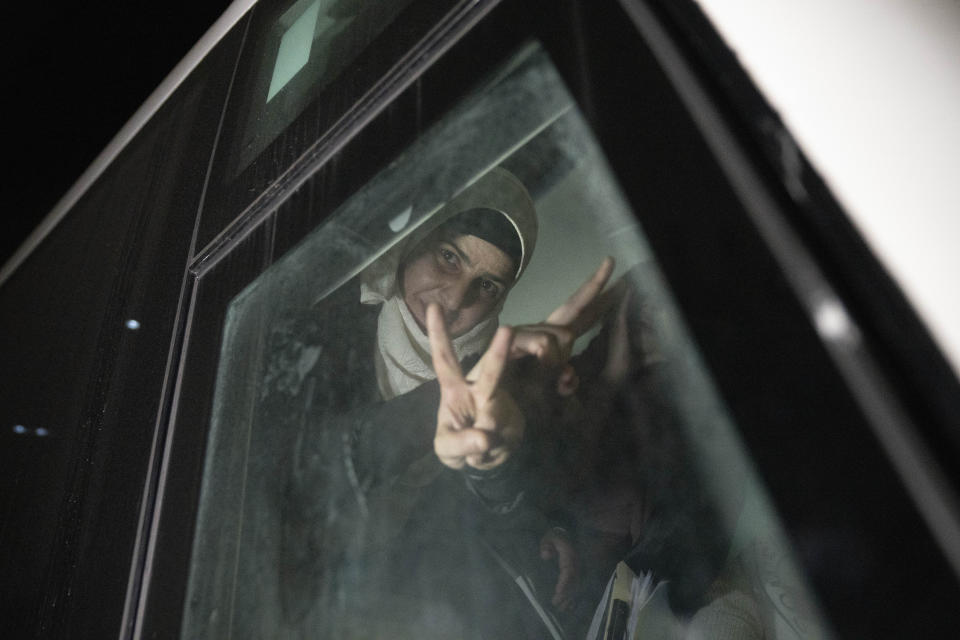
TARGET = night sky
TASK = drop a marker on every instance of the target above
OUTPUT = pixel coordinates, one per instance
(79, 71)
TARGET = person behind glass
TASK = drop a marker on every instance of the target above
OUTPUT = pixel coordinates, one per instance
(437, 295)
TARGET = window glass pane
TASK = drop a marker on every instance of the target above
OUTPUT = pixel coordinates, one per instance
(326, 509)
(294, 50)
(304, 48)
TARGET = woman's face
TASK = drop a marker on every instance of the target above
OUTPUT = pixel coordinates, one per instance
(466, 276)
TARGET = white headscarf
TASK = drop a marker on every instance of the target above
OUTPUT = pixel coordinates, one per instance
(403, 351)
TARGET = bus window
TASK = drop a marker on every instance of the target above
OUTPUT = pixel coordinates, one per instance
(573, 477)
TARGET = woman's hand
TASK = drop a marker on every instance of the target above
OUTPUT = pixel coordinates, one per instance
(478, 423)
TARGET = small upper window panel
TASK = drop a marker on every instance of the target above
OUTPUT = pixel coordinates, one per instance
(295, 45)
(305, 49)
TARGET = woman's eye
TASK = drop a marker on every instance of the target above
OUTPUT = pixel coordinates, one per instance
(448, 256)
(489, 288)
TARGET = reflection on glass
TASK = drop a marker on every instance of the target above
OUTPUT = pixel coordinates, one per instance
(576, 477)
(295, 45)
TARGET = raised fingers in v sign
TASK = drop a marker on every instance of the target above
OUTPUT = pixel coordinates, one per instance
(478, 423)
(551, 341)
(578, 312)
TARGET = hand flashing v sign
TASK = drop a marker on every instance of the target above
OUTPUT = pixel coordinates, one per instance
(478, 422)
(552, 340)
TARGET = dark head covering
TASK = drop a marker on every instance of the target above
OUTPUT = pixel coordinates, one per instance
(490, 225)
(495, 208)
